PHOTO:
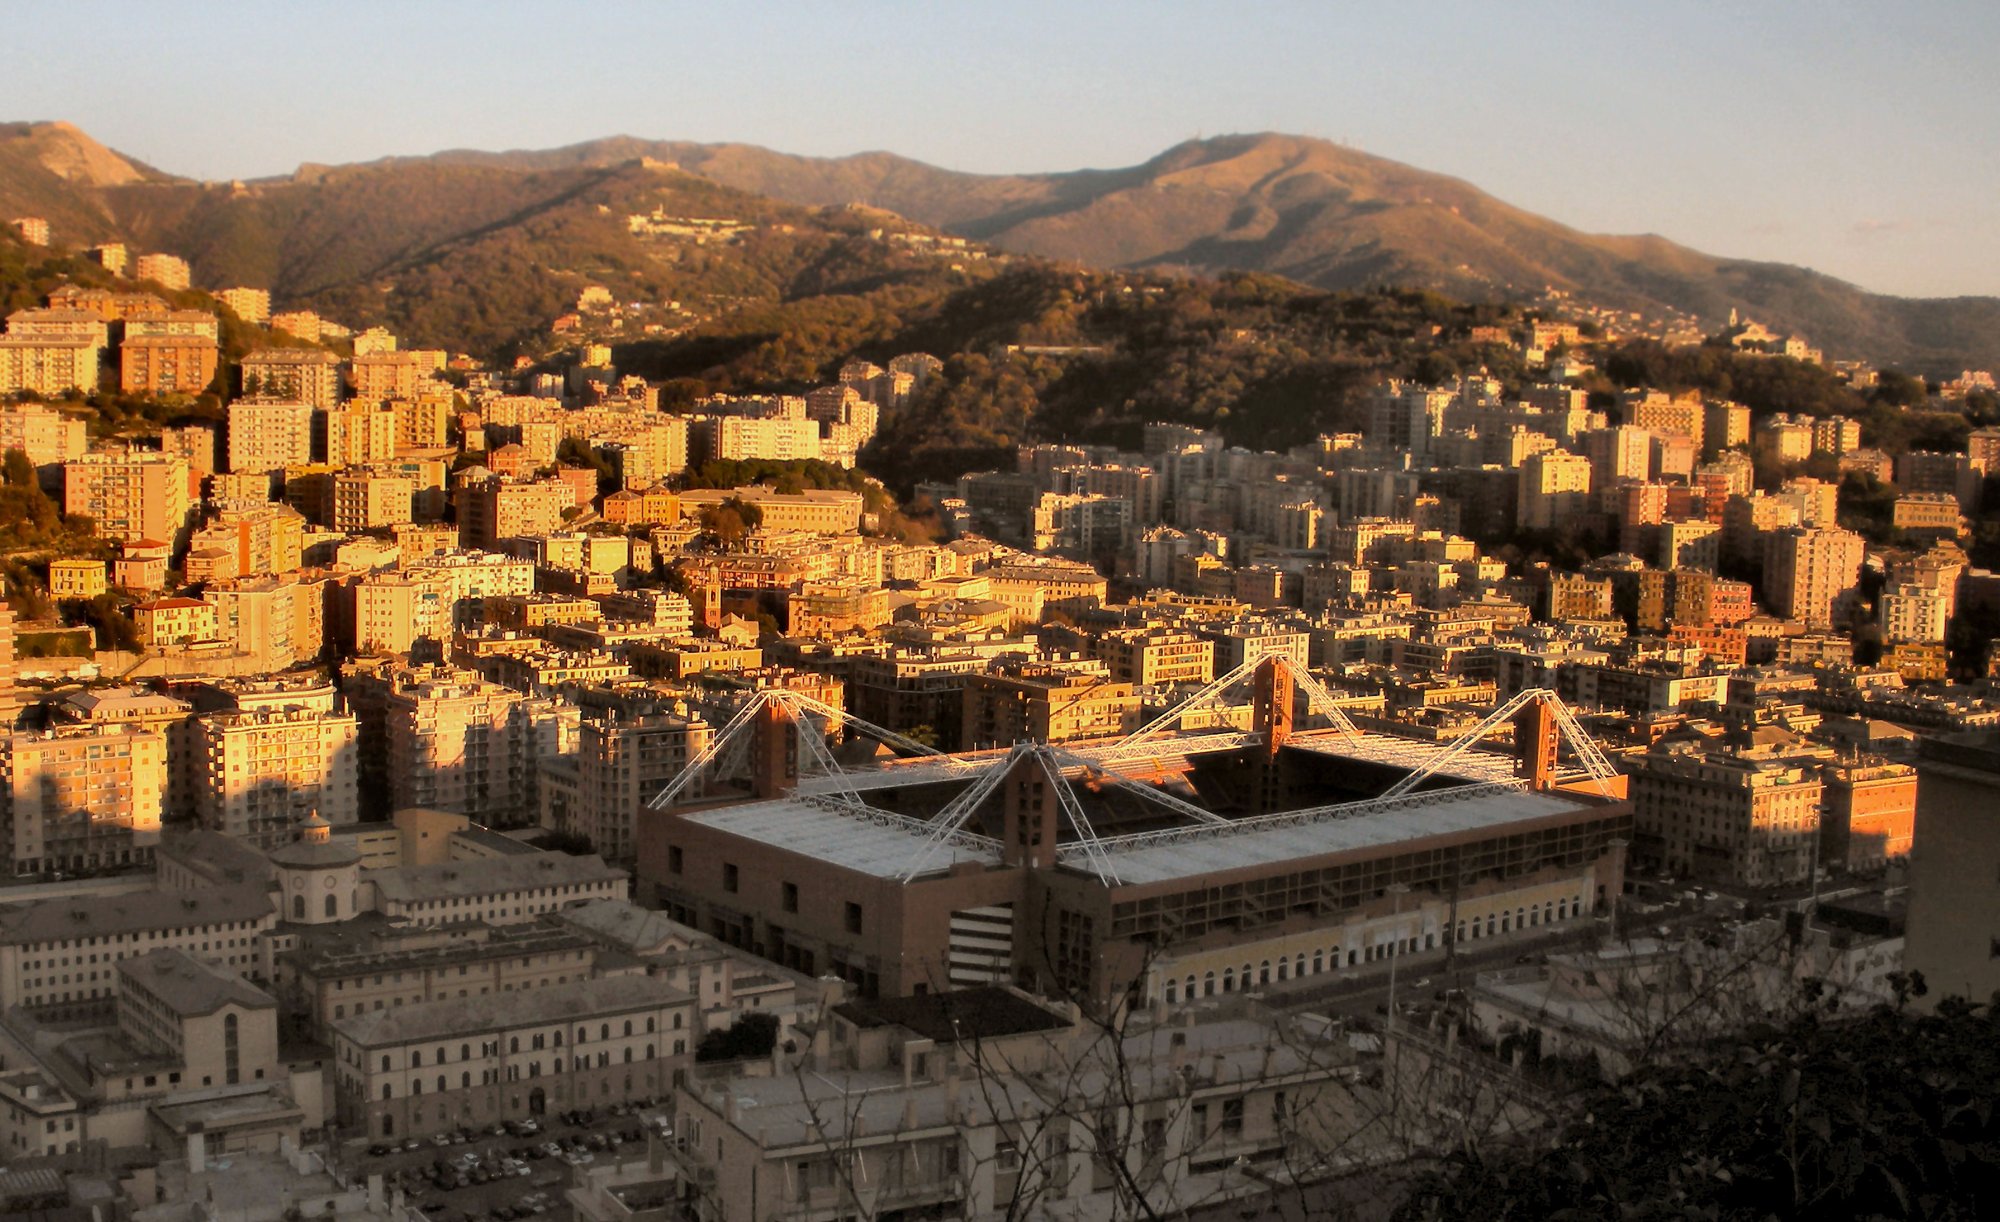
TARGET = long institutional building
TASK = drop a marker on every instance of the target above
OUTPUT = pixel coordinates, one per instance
(1208, 865)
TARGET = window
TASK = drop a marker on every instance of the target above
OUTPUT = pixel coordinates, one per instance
(729, 877)
(853, 917)
(1232, 1118)
(791, 897)
(673, 859)
(332, 907)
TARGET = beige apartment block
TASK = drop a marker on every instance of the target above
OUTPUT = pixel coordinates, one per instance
(264, 772)
(356, 433)
(391, 375)
(269, 434)
(250, 305)
(303, 375)
(622, 760)
(1739, 818)
(1555, 487)
(1809, 573)
(44, 434)
(459, 743)
(132, 495)
(82, 797)
(48, 365)
(166, 623)
(365, 500)
(166, 364)
(168, 271)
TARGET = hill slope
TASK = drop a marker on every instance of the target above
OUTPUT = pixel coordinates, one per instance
(1333, 218)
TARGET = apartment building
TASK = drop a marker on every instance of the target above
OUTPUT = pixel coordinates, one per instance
(298, 375)
(1555, 487)
(76, 578)
(355, 433)
(366, 500)
(167, 271)
(250, 305)
(459, 743)
(1809, 573)
(393, 611)
(1147, 657)
(48, 365)
(393, 375)
(419, 1069)
(1015, 702)
(262, 772)
(83, 797)
(1743, 818)
(269, 434)
(133, 495)
(496, 509)
(817, 510)
(44, 434)
(622, 760)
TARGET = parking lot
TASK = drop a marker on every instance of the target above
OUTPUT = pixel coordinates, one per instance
(504, 1172)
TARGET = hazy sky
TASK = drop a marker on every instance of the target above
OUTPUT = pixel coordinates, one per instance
(1859, 139)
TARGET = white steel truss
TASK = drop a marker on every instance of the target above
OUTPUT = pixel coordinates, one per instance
(728, 744)
(1113, 845)
(1589, 756)
(1318, 700)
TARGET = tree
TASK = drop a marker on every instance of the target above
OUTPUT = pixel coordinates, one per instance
(753, 1035)
(1884, 1116)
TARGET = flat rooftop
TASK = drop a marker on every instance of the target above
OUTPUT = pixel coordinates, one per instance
(878, 843)
(1269, 839)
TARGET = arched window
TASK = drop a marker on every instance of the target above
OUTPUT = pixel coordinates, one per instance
(649, 1052)
(1263, 973)
(1188, 987)
(1229, 980)
(558, 1037)
(416, 1058)
(385, 1062)
(649, 1024)
(1173, 992)
(298, 907)
(1319, 962)
(582, 1035)
(388, 1092)
(604, 1031)
(332, 907)
(441, 1084)
(677, 1020)
(1208, 984)
(464, 1081)
(465, 1052)
(628, 1056)
(514, 1044)
(416, 1086)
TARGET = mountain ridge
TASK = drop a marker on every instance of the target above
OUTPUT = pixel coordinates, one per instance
(1321, 214)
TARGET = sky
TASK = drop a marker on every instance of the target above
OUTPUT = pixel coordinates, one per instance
(1859, 139)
